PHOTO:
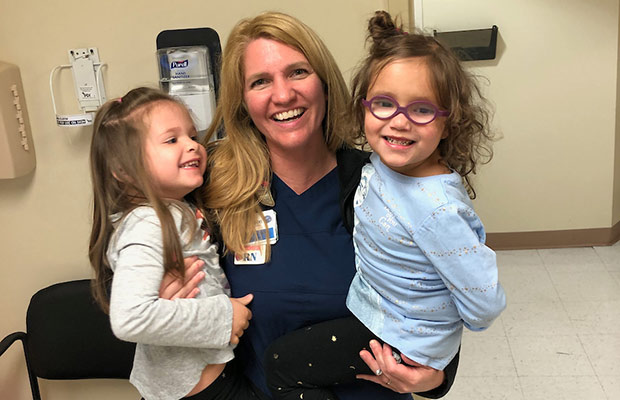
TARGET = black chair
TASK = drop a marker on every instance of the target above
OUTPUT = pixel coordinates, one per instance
(69, 337)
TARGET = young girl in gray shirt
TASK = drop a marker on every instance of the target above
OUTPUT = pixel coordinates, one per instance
(145, 165)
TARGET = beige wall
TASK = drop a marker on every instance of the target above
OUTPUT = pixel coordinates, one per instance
(554, 88)
(554, 85)
(616, 203)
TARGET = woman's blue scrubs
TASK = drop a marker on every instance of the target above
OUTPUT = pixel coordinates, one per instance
(305, 282)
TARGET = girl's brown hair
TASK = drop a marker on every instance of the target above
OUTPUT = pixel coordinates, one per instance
(121, 182)
(240, 164)
(468, 141)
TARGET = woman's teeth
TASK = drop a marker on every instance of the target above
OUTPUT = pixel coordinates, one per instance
(281, 116)
(399, 142)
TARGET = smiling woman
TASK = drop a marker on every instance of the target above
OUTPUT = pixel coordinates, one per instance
(286, 102)
(288, 154)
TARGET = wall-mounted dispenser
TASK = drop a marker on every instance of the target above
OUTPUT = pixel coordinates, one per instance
(89, 88)
(189, 70)
(17, 157)
(470, 45)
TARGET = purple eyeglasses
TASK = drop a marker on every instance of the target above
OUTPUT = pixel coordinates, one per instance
(419, 112)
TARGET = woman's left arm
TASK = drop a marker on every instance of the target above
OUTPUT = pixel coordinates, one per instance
(409, 376)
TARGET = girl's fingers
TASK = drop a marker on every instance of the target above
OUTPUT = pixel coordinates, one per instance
(193, 294)
(173, 287)
(170, 285)
(189, 287)
(193, 265)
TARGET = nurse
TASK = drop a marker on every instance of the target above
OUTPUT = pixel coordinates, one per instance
(288, 158)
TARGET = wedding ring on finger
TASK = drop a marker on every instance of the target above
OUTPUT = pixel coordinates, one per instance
(378, 372)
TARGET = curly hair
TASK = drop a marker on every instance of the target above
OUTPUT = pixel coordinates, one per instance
(468, 136)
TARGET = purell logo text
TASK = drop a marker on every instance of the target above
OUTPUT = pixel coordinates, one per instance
(179, 64)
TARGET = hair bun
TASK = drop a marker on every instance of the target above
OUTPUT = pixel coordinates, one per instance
(381, 27)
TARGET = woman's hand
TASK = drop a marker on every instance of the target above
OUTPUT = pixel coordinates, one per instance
(402, 378)
(172, 287)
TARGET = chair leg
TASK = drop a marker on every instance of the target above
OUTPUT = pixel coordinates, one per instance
(34, 382)
(6, 343)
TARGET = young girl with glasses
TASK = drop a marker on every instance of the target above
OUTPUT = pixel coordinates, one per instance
(423, 270)
(146, 165)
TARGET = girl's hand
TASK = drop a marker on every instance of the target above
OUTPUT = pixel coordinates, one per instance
(172, 287)
(241, 317)
(402, 378)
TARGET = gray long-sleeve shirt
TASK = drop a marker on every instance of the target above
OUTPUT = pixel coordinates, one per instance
(175, 339)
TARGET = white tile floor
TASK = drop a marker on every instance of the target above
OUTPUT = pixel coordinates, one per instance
(559, 337)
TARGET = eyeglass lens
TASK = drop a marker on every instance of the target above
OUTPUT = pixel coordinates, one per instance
(420, 112)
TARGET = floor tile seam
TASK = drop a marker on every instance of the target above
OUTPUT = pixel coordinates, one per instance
(574, 336)
(557, 293)
(517, 302)
(514, 364)
(520, 384)
(591, 364)
(599, 262)
(531, 335)
(613, 334)
(589, 296)
(600, 384)
(570, 320)
(487, 376)
(556, 376)
(564, 249)
(599, 255)
(584, 269)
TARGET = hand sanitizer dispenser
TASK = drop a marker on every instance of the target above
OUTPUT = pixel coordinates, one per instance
(185, 73)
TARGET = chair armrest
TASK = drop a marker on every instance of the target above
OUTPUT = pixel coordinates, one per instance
(10, 339)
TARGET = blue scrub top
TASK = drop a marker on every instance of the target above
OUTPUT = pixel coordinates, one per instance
(305, 282)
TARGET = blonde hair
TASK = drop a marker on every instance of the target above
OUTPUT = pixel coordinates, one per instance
(239, 164)
(468, 141)
(121, 182)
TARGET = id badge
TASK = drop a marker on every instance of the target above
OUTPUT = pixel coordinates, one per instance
(254, 255)
(255, 250)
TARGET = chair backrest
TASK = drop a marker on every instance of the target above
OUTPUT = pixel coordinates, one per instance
(69, 336)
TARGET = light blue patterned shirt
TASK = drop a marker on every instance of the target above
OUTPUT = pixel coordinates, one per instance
(423, 270)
